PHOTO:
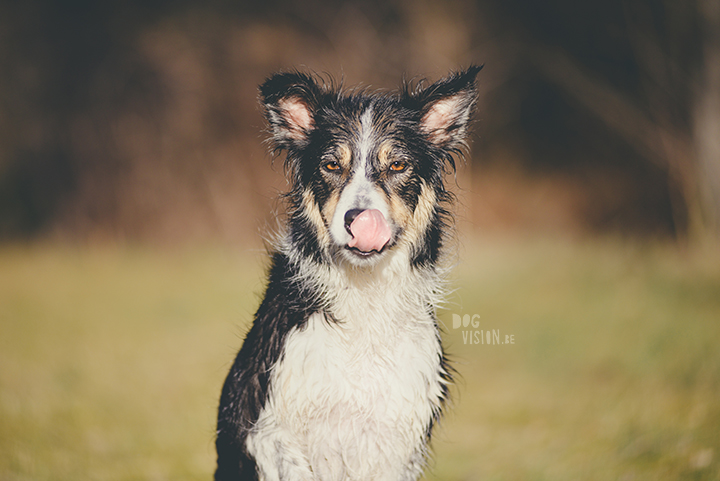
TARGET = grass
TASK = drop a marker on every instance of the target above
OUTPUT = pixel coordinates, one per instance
(111, 361)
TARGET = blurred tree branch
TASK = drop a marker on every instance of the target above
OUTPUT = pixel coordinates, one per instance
(676, 126)
(706, 116)
(666, 148)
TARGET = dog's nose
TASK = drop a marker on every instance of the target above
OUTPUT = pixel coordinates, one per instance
(350, 217)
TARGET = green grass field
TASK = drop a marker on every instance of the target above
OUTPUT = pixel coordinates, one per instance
(112, 359)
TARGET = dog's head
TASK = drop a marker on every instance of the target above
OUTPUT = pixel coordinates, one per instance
(367, 169)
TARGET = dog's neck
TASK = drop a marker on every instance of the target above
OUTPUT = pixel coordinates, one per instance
(391, 289)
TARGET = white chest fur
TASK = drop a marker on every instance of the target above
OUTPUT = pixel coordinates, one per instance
(351, 400)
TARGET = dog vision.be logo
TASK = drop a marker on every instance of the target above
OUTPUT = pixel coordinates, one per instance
(473, 335)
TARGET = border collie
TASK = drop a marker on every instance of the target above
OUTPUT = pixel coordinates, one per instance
(342, 375)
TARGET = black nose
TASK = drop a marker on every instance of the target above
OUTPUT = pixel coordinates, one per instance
(350, 217)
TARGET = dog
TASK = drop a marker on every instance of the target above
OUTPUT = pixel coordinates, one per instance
(343, 374)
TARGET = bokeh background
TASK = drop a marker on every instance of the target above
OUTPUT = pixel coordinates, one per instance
(136, 188)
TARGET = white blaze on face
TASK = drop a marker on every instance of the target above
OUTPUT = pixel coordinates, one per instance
(360, 192)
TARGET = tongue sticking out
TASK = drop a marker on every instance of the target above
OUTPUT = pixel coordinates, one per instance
(370, 231)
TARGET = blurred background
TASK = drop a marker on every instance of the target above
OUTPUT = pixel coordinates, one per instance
(139, 120)
(135, 187)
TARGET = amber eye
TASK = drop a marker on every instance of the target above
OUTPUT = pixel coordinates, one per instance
(332, 166)
(398, 166)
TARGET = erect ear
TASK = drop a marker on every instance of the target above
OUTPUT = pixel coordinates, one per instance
(290, 101)
(446, 106)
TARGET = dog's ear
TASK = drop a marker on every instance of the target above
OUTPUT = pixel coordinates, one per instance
(445, 108)
(290, 101)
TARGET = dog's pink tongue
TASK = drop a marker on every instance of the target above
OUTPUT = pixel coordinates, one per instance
(370, 231)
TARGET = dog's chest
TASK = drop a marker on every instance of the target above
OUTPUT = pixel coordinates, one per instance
(358, 394)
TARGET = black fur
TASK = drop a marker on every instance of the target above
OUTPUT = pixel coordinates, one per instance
(285, 305)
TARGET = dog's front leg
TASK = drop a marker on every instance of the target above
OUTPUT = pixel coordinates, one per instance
(278, 455)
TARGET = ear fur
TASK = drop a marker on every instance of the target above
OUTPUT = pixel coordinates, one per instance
(290, 101)
(445, 108)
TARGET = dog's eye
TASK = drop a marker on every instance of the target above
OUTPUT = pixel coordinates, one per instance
(398, 166)
(332, 166)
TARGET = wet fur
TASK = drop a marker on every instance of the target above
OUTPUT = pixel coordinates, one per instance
(342, 375)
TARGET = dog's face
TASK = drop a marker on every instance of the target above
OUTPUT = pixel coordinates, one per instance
(367, 169)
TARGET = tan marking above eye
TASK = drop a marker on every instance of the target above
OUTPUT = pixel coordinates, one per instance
(390, 159)
(385, 152)
(340, 159)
